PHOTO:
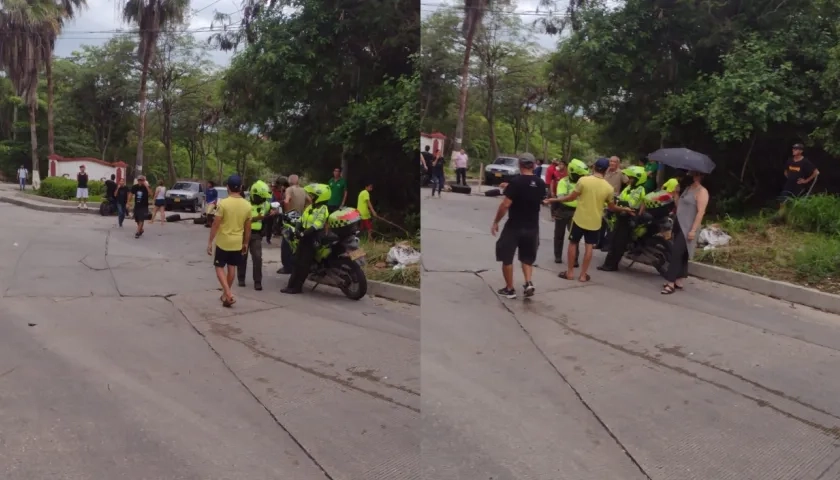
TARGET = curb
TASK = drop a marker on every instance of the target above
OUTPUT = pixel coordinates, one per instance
(772, 288)
(389, 291)
(46, 208)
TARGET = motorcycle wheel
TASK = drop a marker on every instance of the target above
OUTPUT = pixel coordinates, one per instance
(358, 282)
(662, 248)
(104, 209)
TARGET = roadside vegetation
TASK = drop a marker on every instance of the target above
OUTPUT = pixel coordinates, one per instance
(377, 269)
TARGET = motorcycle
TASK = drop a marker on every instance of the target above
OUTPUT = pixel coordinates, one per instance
(338, 257)
(107, 208)
(648, 245)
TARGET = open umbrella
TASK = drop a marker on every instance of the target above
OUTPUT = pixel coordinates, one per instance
(684, 159)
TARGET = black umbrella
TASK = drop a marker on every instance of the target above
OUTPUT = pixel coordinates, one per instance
(684, 159)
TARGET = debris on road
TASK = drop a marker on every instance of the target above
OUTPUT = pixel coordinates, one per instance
(402, 255)
(712, 237)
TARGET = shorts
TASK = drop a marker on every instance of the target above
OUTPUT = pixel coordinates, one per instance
(81, 193)
(140, 214)
(224, 258)
(525, 241)
(590, 237)
(159, 202)
(366, 225)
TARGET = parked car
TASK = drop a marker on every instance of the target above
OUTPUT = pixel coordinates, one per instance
(501, 170)
(186, 195)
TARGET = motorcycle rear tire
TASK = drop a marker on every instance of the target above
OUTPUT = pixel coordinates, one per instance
(355, 271)
(664, 247)
(104, 209)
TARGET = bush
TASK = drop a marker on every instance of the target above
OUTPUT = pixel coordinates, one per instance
(818, 259)
(65, 189)
(817, 213)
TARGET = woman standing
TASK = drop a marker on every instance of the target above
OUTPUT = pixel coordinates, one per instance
(160, 203)
(691, 207)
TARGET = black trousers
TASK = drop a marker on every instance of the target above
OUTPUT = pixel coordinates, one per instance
(678, 268)
(461, 176)
(562, 227)
(286, 256)
(255, 252)
(618, 241)
(304, 257)
(268, 227)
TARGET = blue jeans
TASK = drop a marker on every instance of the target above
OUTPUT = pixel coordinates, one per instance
(120, 213)
(437, 182)
(22, 183)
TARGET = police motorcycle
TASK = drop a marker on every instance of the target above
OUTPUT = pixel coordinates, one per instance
(338, 257)
(648, 244)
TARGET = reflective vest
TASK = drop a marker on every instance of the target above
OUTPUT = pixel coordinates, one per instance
(565, 187)
(315, 217)
(256, 211)
(632, 196)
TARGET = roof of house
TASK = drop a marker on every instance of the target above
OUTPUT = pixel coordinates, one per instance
(59, 158)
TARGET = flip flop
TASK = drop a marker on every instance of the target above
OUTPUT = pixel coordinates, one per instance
(585, 278)
(675, 286)
(668, 290)
(565, 276)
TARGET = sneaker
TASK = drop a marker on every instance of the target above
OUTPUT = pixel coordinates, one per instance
(242, 283)
(507, 292)
(529, 289)
(258, 286)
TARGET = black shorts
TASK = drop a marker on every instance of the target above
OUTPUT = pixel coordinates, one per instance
(160, 202)
(524, 240)
(590, 237)
(140, 214)
(224, 258)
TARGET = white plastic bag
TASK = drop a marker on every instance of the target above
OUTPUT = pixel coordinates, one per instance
(402, 255)
(712, 237)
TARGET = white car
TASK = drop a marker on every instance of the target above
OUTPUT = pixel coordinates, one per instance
(187, 195)
(504, 168)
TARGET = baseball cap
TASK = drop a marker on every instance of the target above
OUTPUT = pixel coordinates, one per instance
(234, 181)
(602, 163)
(526, 158)
(798, 146)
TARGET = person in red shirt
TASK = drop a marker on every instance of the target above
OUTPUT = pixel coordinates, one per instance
(555, 172)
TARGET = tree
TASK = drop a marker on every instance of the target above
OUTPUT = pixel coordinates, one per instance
(151, 17)
(439, 64)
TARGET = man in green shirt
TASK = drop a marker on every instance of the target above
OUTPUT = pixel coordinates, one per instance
(338, 190)
(651, 168)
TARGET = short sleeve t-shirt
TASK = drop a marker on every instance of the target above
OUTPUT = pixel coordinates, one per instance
(796, 170)
(122, 195)
(141, 196)
(428, 158)
(651, 168)
(234, 212)
(362, 205)
(595, 194)
(337, 189)
(82, 180)
(110, 188)
(526, 193)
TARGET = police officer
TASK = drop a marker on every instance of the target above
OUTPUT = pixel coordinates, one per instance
(563, 212)
(313, 220)
(632, 196)
(260, 208)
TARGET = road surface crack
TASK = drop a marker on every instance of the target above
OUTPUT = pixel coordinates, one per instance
(567, 382)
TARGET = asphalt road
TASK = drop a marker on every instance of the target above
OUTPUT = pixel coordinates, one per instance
(610, 379)
(117, 361)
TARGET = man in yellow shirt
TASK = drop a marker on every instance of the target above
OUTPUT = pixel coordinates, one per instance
(232, 232)
(366, 210)
(592, 194)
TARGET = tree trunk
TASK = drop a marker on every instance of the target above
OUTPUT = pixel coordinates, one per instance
(490, 115)
(33, 136)
(747, 158)
(426, 108)
(14, 121)
(474, 17)
(141, 123)
(50, 118)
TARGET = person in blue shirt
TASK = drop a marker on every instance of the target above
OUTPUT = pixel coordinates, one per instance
(211, 197)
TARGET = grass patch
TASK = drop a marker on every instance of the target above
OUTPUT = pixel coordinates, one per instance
(376, 269)
(779, 250)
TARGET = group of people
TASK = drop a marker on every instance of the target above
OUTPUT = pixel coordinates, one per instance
(432, 164)
(578, 200)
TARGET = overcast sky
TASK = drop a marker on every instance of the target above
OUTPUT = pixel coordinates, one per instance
(96, 24)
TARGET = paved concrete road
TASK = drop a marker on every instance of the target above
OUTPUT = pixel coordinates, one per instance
(611, 380)
(117, 360)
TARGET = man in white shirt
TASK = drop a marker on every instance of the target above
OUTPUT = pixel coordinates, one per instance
(22, 174)
(461, 167)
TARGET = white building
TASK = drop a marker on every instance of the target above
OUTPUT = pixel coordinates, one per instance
(435, 140)
(95, 168)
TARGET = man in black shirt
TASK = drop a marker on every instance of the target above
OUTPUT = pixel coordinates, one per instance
(82, 187)
(428, 159)
(524, 195)
(110, 189)
(437, 173)
(140, 193)
(800, 172)
(121, 199)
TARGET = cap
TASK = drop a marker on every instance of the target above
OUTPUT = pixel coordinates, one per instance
(602, 163)
(526, 158)
(141, 177)
(798, 146)
(234, 181)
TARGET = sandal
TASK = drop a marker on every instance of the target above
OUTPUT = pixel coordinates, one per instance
(668, 289)
(565, 276)
(678, 287)
(585, 278)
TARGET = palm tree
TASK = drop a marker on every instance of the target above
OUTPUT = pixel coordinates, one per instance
(151, 16)
(23, 24)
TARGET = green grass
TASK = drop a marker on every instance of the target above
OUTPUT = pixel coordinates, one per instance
(376, 269)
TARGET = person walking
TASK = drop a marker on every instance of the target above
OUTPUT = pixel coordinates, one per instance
(524, 195)
(82, 187)
(231, 232)
(592, 193)
(22, 175)
(160, 203)
(338, 189)
(437, 173)
(461, 162)
(140, 193)
(563, 212)
(121, 200)
(366, 210)
(260, 208)
(691, 208)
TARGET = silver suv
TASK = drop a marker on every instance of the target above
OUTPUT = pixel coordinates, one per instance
(186, 195)
(501, 170)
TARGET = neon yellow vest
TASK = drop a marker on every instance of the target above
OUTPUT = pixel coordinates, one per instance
(255, 212)
(565, 187)
(632, 196)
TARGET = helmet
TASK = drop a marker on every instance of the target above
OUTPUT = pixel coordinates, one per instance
(637, 173)
(577, 167)
(671, 185)
(319, 192)
(260, 189)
